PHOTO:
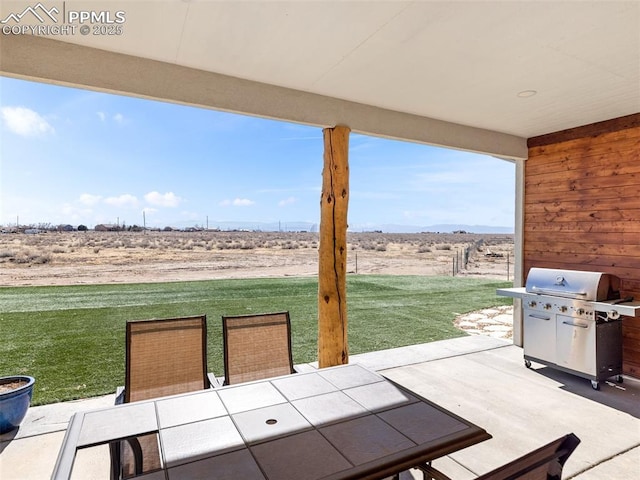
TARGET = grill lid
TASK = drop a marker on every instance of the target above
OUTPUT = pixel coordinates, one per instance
(591, 286)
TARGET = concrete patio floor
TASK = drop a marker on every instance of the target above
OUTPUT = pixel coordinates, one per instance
(480, 378)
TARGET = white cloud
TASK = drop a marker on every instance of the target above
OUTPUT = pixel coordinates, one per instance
(73, 213)
(89, 200)
(24, 121)
(237, 202)
(124, 200)
(287, 201)
(118, 118)
(168, 199)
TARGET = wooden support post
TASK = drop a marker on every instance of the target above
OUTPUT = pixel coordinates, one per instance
(332, 265)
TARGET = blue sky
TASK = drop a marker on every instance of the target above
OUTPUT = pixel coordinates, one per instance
(81, 157)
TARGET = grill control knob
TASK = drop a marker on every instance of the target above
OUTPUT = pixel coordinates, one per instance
(563, 308)
(547, 306)
(580, 311)
(533, 303)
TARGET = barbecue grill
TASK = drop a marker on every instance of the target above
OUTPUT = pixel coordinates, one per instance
(572, 321)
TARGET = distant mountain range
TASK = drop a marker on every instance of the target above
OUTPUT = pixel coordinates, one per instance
(386, 228)
(444, 228)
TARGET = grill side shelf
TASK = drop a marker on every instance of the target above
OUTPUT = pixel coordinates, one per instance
(630, 309)
(515, 292)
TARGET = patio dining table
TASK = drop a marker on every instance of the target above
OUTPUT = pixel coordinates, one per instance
(343, 422)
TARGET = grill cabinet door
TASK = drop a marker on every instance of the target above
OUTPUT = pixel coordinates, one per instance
(609, 348)
(539, 332)
(576, 344)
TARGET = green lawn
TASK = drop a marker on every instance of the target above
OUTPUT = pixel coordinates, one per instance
(71, 339)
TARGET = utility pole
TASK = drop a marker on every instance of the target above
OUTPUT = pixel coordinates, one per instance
(144, 222)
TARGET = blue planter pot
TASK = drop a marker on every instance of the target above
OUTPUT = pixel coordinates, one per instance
(14, 403)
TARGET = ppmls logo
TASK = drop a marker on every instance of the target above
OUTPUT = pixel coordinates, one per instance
(39, 11)
(40, 20)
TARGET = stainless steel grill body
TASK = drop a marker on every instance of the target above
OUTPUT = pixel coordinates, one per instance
(572, 321)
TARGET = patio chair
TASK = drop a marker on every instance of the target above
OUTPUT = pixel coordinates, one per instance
(545, 463)
(163, 357)
(256, 346)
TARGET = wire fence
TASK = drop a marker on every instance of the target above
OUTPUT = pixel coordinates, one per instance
(460, 261)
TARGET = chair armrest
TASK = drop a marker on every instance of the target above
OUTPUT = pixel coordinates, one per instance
(213, 381)
(430, 473)
(114, 447)
(119, 396)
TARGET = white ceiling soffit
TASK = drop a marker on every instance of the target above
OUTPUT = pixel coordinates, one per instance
(448, 65)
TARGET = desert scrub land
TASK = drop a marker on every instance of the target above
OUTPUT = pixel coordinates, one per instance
(69, 258)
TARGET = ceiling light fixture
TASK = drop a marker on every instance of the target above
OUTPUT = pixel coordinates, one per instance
(527, 93)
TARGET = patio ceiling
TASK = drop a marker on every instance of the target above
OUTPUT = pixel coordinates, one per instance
(446, 73)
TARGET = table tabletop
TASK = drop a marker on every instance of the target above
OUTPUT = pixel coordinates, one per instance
(343, 422)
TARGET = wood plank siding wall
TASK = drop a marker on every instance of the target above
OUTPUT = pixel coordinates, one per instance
(582, 209)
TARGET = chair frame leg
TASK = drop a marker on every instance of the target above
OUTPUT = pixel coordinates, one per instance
(137, 454)
(114, 449)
